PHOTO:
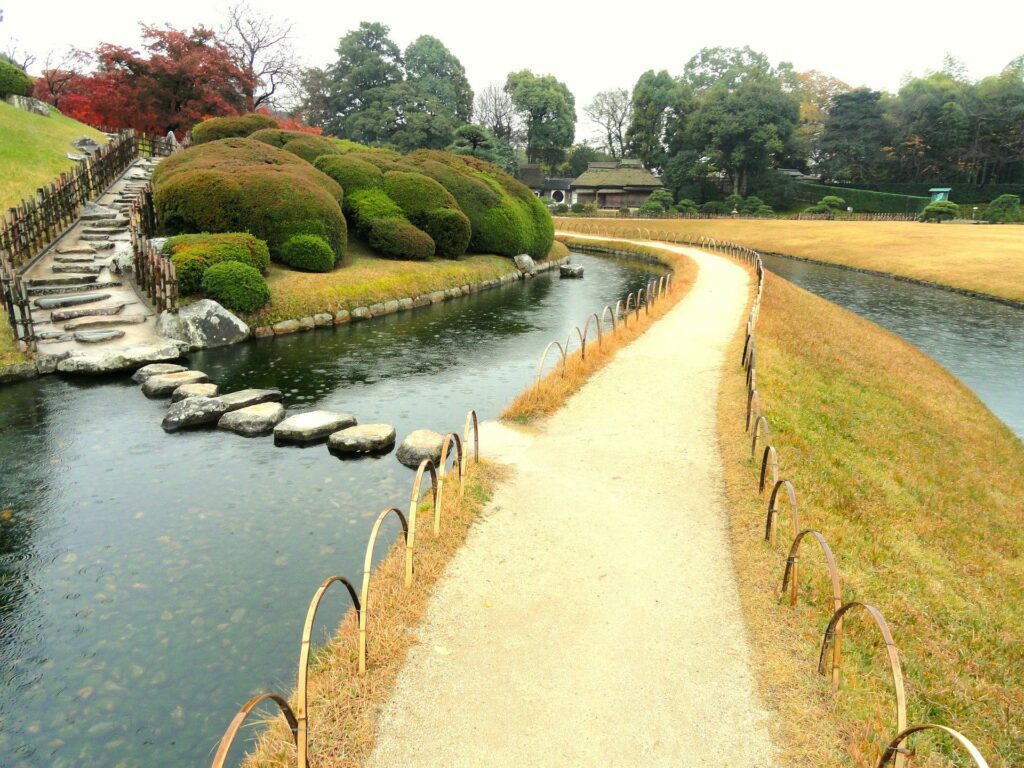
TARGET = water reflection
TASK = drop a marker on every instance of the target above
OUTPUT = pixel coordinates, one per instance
(150, 583)
(981, 342)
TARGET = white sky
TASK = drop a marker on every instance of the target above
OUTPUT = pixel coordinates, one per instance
(589, 46)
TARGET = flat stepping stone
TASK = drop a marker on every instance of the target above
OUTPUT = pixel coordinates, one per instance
(102, 322)
(53, 336)
(164, 384)
(83, 269)
(70, 280)
(311, 426)
(244, 398)
(69, 290)
(96, 212)
(95, 337)
(419, 445)
(156, 369)
(103, 246)
(186, 391)
(70, 301)
(93, 238)
(252, 420)
(365, 438)
(70, 314)
(106, 232)
(80, 248)
(85, 258)
(192, 412)
(120, 223)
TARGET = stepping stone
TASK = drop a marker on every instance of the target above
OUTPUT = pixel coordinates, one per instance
(85, 269)
(244, 398)
(80, 248)
(164, 384)
(365, 438)
(87, 233)
(100, 322)
(95, 337)
(96, 212)
(70, 280)
(67, 290)
(311, 426)
(156, 369)
(252, 420)
(53, 336)
(93, 238)
(419, 445)
(102, 246)
(85, 258)
(71, 314)
(100, 226)
(191, 412)
(186, 391)
(70, 301)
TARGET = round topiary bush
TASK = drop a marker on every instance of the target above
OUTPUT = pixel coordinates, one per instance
(432, 208)
(275, 137)
(449, 229)
(242, 185)
(833, 202)
(14, 81)
(214, 128)
(308, 252)
(236, 286)
(1005, 209)
(193, 254)
(939, 211)
(310, 147)
(714, 207)
(351, 173)
(398, 239)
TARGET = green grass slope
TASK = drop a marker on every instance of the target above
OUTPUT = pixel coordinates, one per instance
(33, 150)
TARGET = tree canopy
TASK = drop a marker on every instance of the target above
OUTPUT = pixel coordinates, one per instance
(547, 109)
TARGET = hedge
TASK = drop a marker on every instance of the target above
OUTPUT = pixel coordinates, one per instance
(215, 128)
(397, 238)
(14, 81)
(236, 286)
(193, 254)
(350, 172)
(963, 194)
(308, 252)
(862, 200)
(242, 185)
(432, 208)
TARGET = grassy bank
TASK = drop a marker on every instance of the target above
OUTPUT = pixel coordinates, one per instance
(344, 706)
(919, 490)
(985, 259)
(371, 279)
(555, 388)
(33, 150)
(9, 353)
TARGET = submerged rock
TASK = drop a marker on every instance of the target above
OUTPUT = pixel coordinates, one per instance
(571, 270)
(164, 384)
(312, 425)
(153, 369)
(252, 420)
(192, 412)
(419, 445)
(365, 438)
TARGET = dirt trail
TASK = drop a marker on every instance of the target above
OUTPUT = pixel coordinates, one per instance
(592, 618)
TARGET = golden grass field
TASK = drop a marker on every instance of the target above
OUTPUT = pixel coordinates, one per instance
(986, 259)
(919, 490)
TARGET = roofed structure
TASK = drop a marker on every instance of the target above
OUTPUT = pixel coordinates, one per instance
(615, 184)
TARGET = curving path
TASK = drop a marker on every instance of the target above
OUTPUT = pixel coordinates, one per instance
(592, 618)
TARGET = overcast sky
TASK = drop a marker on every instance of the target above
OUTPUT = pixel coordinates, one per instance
(868, 42)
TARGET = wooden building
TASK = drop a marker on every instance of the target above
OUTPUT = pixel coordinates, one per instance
(615, 184)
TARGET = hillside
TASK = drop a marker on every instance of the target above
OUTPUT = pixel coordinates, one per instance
(33, 149)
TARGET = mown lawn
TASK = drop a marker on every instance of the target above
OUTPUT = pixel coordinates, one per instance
(919, 490)
(988, 259)
(33, 150)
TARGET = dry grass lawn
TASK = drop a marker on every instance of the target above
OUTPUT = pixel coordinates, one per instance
(9, 353)
(919, 490)
(985, 259)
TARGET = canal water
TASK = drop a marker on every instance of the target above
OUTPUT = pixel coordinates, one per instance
(151, 583)
(981, 342)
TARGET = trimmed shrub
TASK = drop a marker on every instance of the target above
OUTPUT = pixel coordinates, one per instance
(764, 210)
(862, 199)
(750, 205)
(563, 208)
(236, 286)
(818, 208)
(833, 202)
(351, 173)
(368, 205)
(939, 211)
(14, 81)
(1005, 209)
(432, 208)
(577, 208)
(310, 147)
(398, 239)
(275, 137)
(686, 206)
(734, 202)
(193, 254)
(661, 197)
(214, 128)
(651, 208)
(624, 209)
(308, 252)
(715, 207)
(242, 185)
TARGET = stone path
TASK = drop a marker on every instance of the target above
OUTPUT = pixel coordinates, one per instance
(592, 617)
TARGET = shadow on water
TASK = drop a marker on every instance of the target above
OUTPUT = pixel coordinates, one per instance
(150, 583)
(981, 342)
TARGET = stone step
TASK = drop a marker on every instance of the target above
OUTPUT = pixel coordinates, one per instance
(52, 337)
(119, 223)
(71, 289)
(96, 212)
(82, 269)
(56, 302)
(71, 280)
(59, 315)
(104, 232)
(85, 258)
(82, 248)
(102, 322)
(93, 238)
(97, 337)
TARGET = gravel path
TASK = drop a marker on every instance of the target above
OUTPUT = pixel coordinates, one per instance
(592, 618)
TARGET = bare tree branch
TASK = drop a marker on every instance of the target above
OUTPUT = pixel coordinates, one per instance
(22, 59)
(612, 110)
(494, 110)
(260, 46)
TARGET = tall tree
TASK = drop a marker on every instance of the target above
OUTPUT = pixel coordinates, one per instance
(612, 110)
(438, 73)
(818, 92)
(726, 67)
(62, 72)
(495, 111)
(548, 111)
(260, 46)
(855, 132)
(368, 63)
(653, 95)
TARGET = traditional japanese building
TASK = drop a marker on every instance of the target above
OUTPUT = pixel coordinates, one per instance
(614, 184)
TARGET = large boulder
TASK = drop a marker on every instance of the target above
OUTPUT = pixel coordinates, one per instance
(525, 264)
(571, 270)
(365, 438)
(202, 324)
(253, 420)
(164, 384)
(419, 445)
(125, 359)
(312, 426)
(192, 412)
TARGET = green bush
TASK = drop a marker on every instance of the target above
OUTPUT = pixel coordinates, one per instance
(734, 202)
(193, 254)
(398, 239)
(1005, 209)
(818, 208)
(661, 197)
(14, 81)
(750, 205)
(236, 286)
(308, 252)
(432, 208)
(577, 208)
(310, 147)
(715, 207)
(351, 173)
(368, 205)
(764, 210)
(214, 128)
(862, 199)
(622, 210)
(939, 211)
(561, 208)
(651, 208)
(275, 137)
(686, 206)
(242, 185)
(833, 202)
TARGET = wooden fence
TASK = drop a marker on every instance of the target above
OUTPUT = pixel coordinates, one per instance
(154, 272)
(836, 216)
